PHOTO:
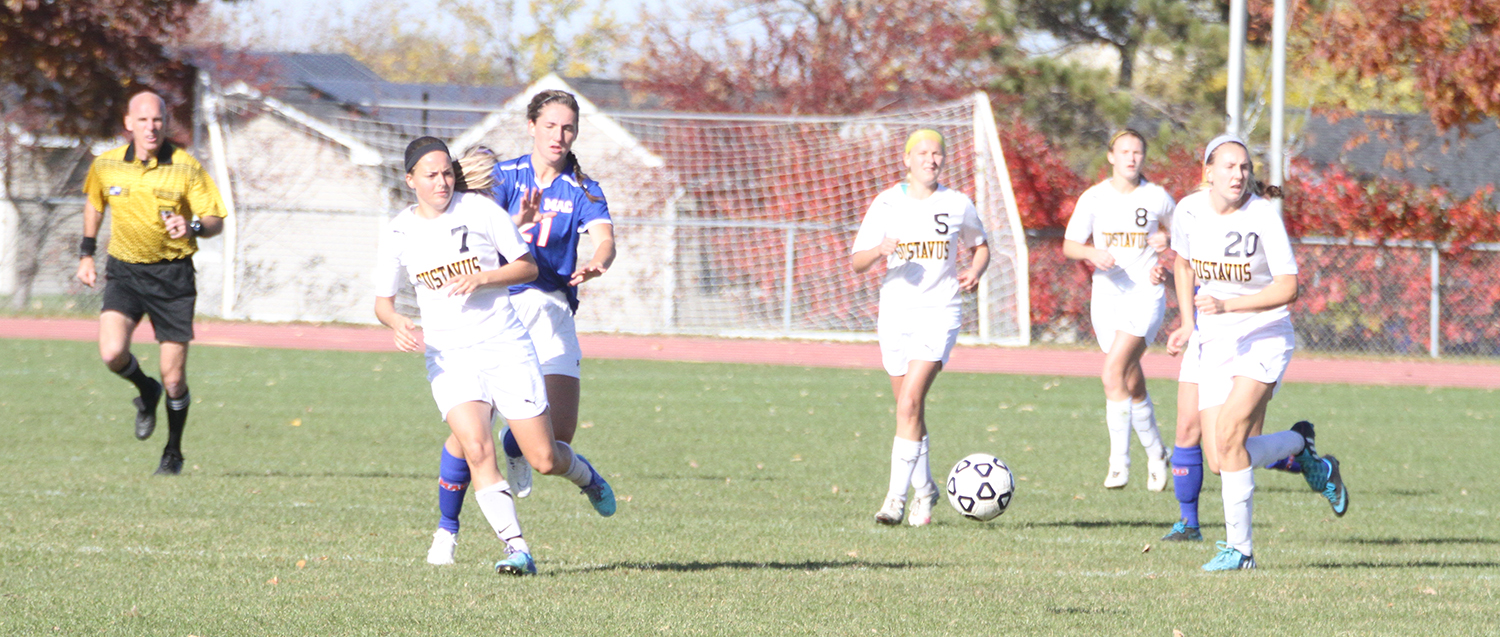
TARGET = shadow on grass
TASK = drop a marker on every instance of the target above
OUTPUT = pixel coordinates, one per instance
(1074, 610)
(708, 477)
(327, 474)
(1405, 564)
(693, 567)
(1104, 524)
(1405, 541)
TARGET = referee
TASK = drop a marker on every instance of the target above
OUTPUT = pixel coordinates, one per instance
(160, 200)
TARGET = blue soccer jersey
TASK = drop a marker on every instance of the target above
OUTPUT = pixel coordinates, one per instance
(554, 240)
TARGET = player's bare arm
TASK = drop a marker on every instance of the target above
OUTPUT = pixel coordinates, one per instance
(1100, 259)
(92, 219)
(522, 270)
(1282, 290)
(604, 254)
(865, 259)
(1186, 281)
(407, 337)
(968, 280)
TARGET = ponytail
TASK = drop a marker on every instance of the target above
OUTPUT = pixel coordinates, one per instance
(581, 178)
(475, 170)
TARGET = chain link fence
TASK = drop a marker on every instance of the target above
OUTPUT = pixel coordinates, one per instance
(1362, 297)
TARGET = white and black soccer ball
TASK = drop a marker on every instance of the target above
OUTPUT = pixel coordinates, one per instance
(980, 486)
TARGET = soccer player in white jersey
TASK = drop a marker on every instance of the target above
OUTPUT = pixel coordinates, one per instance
(554, 203)
(917, 228)
(460, 251)
(1125, 217)
(1232, 247)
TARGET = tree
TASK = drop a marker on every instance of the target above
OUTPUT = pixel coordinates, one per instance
(815, 56)
(484, 49)
(1451, 48)
(74, 65)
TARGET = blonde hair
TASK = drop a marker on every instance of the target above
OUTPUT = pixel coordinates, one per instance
(476, 169)
(922, 134)
(1122, 133)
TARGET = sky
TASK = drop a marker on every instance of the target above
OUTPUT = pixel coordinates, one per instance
(287, 22)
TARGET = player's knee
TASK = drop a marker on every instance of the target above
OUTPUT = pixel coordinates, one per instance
(114, 356)
(546, 462)
(478, 449)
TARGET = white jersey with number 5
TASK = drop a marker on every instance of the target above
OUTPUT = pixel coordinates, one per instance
(472, 235)
(923, 271)
(1119, 223)
(1233, 255)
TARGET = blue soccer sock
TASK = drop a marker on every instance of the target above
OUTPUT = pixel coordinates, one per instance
(508, 441)
(1187, 481)
(453, 483)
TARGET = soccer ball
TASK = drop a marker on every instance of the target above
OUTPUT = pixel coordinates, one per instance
(980, 486)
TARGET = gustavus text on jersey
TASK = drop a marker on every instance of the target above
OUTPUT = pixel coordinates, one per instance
(436, 277)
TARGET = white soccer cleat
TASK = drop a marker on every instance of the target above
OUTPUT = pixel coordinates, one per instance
(518, 474)
(443, 543)
(921, 510)
(1118, 476)
(1156, 474)
(892, 512)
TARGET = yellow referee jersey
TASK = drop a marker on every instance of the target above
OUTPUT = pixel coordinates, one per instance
(140, 192)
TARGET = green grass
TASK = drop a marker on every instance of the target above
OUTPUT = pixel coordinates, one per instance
(746, 501)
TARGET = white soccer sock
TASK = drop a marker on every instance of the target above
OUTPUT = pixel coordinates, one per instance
(579, 472)
(921, 471)
(1117, 418)
(1270, 447)
(500, 509)
(1143, 418)
(1239, 493)
(904, 454)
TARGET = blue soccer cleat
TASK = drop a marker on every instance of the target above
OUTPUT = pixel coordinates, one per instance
(599, 493)
(517, 563)
(1229, 559)
(1181, 532)
(1333, 487)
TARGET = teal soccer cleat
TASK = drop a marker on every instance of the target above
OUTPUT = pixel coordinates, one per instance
(517, 563)
(1333, 487)
(600, 494)
(1229, 559)
(1181, 532)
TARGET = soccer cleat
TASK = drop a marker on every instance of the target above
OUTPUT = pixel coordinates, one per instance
(517, 473)
(600, 495)
(1156, 474)
(1118, 476)
(171, 463)
(516, 563)
(921, 510)
(1333, 487)
(892, 512)
(1229, 559)
(145, 411)
(1181, 532)
(1313, 469)
(443, 544)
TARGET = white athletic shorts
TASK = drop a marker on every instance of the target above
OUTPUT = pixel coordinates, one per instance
(916, 334)
(1134, 314)
(502, 373)
(1262, 354)
(550, 324)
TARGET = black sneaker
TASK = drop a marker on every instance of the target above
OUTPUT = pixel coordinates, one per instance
(171, 463)
(145, 412)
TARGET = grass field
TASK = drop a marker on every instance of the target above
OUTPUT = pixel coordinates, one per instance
(746, 501)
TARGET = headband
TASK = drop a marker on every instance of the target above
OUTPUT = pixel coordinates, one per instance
(419, 147)
(923, 134)
(1220, 141)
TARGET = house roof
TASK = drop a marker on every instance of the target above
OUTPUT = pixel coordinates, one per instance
(1407, 147)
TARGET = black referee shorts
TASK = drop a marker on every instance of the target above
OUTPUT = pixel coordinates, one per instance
(166, 290)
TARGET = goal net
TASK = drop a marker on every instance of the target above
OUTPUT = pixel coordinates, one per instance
(735, 225)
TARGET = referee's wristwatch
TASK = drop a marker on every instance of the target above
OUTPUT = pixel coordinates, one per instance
(196, 226)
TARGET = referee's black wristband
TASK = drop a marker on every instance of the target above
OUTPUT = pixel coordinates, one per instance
(88, 246)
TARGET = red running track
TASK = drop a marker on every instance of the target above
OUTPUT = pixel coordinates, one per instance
(995, 360)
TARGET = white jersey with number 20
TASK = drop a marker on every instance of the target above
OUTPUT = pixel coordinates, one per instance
(923, 271)
(1233, 255)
